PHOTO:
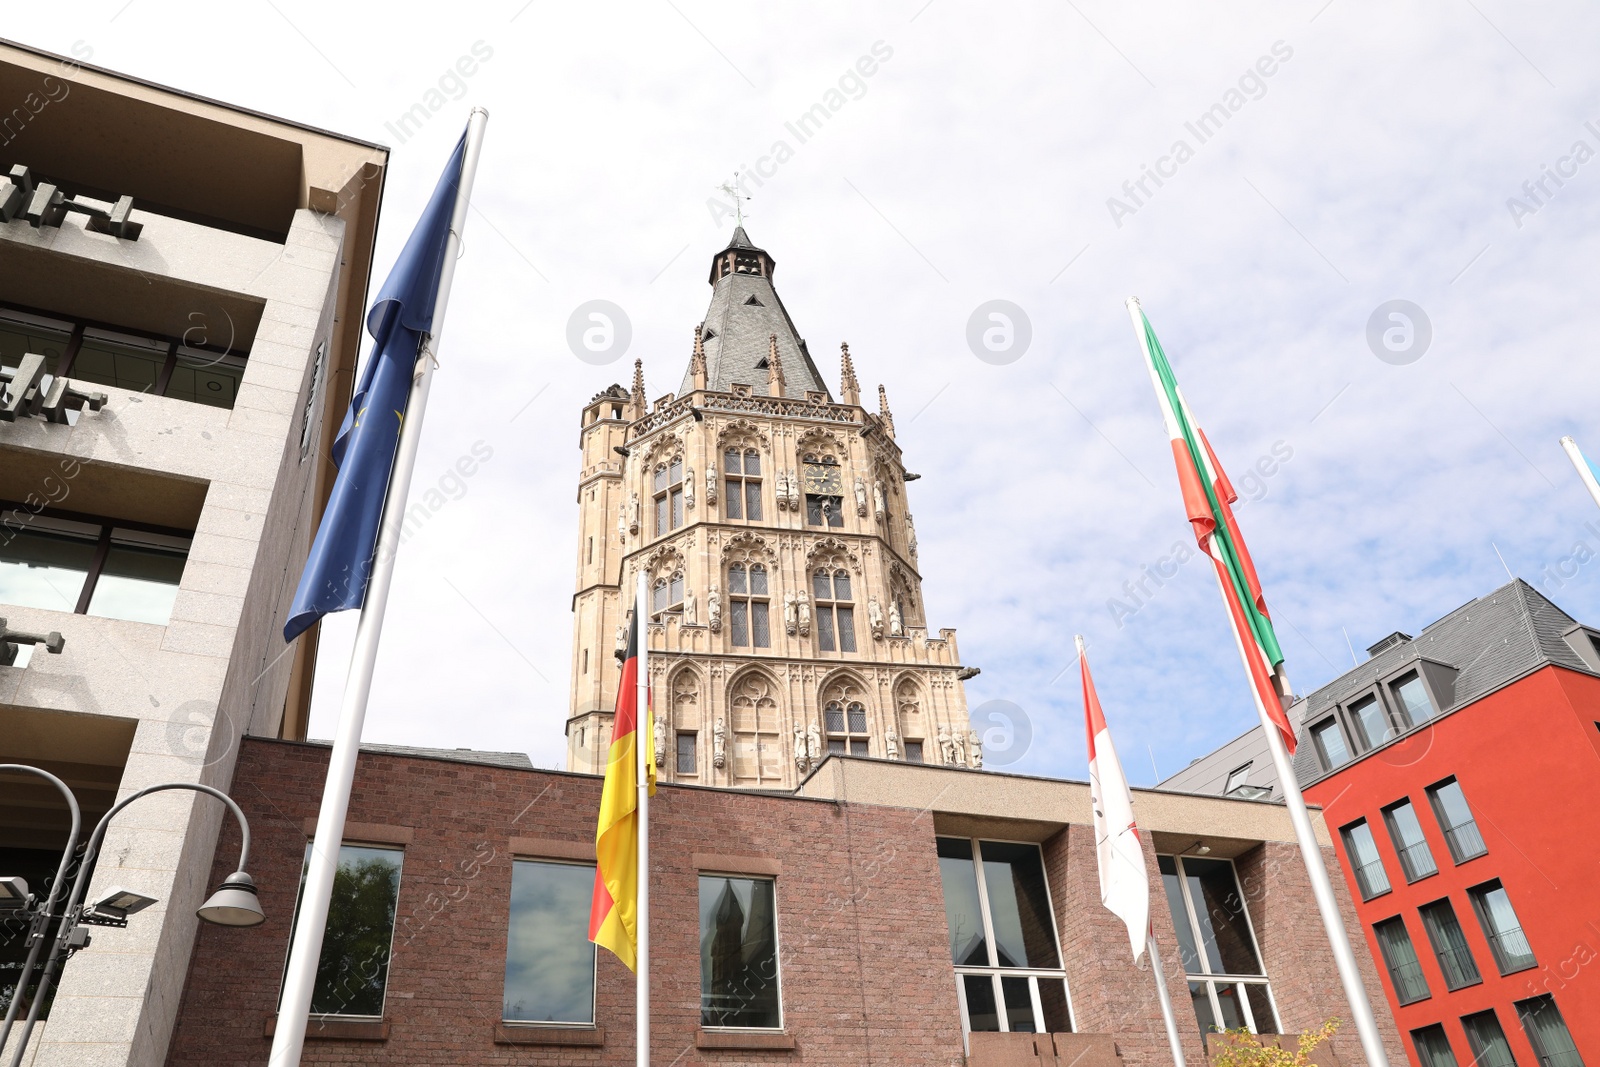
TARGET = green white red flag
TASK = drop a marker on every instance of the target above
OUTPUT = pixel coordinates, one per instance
(1207, 496)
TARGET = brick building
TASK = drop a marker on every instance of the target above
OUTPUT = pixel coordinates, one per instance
(844, 923)
(1460, 770)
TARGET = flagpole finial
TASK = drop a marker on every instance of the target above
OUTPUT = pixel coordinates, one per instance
(1079, 639)
(1133, 302)
(479, 109)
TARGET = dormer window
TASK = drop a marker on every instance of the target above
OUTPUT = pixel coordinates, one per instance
(753, 302)
(1330, 745)
(1411, 699)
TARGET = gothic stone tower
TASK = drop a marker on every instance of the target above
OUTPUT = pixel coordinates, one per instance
(786, 615)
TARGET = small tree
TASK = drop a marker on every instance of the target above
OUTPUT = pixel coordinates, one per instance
(1241, 1048)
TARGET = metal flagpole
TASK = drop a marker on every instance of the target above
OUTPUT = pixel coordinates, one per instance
(1582, 465)
(300, 974)
(1166, 1001)
(642, 729)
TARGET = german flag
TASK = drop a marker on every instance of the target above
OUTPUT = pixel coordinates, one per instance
(614, 912)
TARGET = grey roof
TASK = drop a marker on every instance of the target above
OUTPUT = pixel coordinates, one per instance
(512, 760)
(1489, 643)
(745, 312)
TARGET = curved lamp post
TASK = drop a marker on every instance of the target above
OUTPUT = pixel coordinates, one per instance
(233, 904)
(41, 918)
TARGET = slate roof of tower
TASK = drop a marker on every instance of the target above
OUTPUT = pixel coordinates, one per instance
(1491, 642)
(738, 333)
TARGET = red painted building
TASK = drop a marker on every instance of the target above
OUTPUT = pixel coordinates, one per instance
(1460, 774)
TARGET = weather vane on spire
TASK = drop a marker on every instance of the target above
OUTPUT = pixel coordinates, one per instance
(731, 187)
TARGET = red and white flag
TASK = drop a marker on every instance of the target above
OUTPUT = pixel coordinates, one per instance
(1124, 881)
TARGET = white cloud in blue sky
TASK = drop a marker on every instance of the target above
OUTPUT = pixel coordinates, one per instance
(1375, 163)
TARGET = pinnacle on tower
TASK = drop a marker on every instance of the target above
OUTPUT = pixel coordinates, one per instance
(774, 367)
(638, 389)
(697, 362)
(849, 388)
(883, 412)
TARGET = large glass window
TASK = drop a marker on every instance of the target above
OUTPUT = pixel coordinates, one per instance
(738, 953)
(1002, 937)
(1455, 819)
(749, 605)
(836, 616)
(1433, 1047)
(1330, 744)
(1501, 927)
(1227, 984)
(549, 958)
(742, 470)
(1449, 945)
(1405, 830)
(1547, 1032)
(1405, 972)
(353, 970)
(84, 567)
(1367, 865)
(1488, 1041)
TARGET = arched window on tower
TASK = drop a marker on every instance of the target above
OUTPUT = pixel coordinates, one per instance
(667, 594)
(742, 469)
(836, 615)
(749, 605)
(668, 488)
(757, 756)
(846, 723)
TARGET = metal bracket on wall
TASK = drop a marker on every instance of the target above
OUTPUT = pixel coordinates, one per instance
(44, 204)
(53, 643)
(23, 392)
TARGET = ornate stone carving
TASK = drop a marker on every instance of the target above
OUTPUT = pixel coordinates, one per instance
(711, 484)
(975, 745)
(875, 616)
(897, 625)
(781, 489)
(803, 606)
(958, 749)
(688, 488)
(832, 551)
(714, 609)
(891, 744)
(690, 618)
(911, 535)
(633, 513)
(861, 496)
(880, 507)
(622, 640)
(719, 743)
(661, 741)
(622, 527)
(794, 490)
(813, 743)
(947, 746)
(802, 760)
(788, 613)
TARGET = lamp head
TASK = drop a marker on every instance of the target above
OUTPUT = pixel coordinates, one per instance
(234, 903)
(119, 903)
(13, 893)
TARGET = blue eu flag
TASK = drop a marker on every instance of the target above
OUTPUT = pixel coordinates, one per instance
(341, 558)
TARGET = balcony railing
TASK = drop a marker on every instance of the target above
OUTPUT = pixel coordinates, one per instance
(1409, 983)
(1417, 861)
(1511, 950)
(1372, 879)
(1568, 1058)
(1465, 841)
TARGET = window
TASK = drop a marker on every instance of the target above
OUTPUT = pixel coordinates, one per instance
(1449, 945)
(836, 615)
(1416, 860)
(1002, 937)
(1367, 713)
(1500, 926)
(757, 759)
(742, 471)
(914, 752)
(89, 567)
(1487, 1040)
(1455, 819)
(668, 489)
(1215, 939)
(1411, 696)
(308, 414)
(688, 760)
(1237, 777)
(1433, 1047)
(1362, 853)
(748, 605)
(353, 970)
(1330, 744)
(549, 958)
(824, 488)
(1547, 1032)
(1405, 972)
(667, 594)
(146, 363)
(847, 727)
(738, 953)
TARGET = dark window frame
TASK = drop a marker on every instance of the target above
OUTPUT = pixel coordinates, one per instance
(1346, 832)
(1502, 943)
(9, 528)
(1442, 953)
(1400, 980)
(1206, 978)
(394, 926)
(1409, 864)
(748, 601)
(777, 951)
(1450, 830)
(691, 767)
(1480, 1054)
(1526, 1010)
(739, 489)
(594, 975)
(1328, 766)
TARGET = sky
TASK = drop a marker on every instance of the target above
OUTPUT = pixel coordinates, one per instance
(1355, 155)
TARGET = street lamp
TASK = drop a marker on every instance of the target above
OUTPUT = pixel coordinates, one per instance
(233, 904)
(17, 897)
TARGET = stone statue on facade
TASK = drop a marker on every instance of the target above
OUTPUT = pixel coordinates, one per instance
(661, 742)
(911, 535)
(788, 613)
(689, 616)
(688, 488)
(975, 746)
(719, 743)
(947, 746)
(711, 484)
(782, 490)
(622, 641)
(861, 497)
(813, 744)
(880, 505)
(875, 616)
(794, 490)
(622, 527)
(891, 744)
(897, 623)
(633, 514)
(802, 760)
(714, 609)
(803, 606)
(958, 749)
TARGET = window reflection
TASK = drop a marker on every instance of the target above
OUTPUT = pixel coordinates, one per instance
(738, 953)
(549, 958)
(45, 564)
(353, 970)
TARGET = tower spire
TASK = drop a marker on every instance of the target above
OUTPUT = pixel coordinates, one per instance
(638, 389)
(883, 411)
(697, 362)
(849, 388)
(774, 367)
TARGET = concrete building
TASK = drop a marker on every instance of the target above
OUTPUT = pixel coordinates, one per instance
(1461, 770)
(774, 525)
(202, 269)
(881, 913)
